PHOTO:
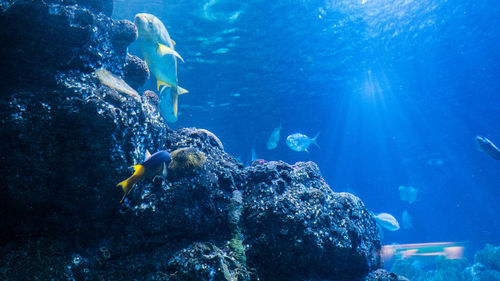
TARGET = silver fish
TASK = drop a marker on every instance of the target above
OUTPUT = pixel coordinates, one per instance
(300, 142)
(488, 147)
(387, 221)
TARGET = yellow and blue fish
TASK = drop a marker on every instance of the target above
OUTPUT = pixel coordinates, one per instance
(152, 164)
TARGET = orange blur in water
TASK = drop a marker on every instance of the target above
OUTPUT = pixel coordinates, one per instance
(450, 250)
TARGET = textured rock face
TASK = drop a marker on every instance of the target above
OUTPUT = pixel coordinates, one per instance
(136, 72)
(383, 275)
(65, 136)
(297, 228)
(66, 152)
(44, 38)
(204, 261)
(96, 6)
(194, 207)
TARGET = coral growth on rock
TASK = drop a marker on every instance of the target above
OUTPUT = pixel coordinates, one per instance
(204, 261)
(185, 163)
(486, 265)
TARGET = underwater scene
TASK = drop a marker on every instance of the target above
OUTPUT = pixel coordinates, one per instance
(303, 140)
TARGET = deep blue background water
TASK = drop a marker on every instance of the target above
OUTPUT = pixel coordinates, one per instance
(393, 87)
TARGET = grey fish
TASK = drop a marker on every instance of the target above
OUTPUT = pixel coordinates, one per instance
(300, 142)
(488, 147)
(274, 138)
(387, 221)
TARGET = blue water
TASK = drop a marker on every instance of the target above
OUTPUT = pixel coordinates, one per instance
(398, 90)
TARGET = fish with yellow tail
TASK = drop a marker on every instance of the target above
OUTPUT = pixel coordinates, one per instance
(152, 164)
(161, 57)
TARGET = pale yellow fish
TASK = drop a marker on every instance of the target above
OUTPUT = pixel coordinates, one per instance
(114, 82)
(161, 57)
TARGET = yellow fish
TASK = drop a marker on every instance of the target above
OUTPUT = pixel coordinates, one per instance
(151, 165)
(161, 57)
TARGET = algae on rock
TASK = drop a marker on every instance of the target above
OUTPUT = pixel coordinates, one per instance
(185, 163)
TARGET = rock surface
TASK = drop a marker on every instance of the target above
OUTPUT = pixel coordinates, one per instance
(66, 140)
(47, 38)
(383, 275)
(297, 227)
(486, 265)
(204, 261)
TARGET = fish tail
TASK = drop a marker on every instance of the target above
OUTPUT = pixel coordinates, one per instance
(129, 184)
(175, 101)
(127, 187)
(159, 83)
(181, 90)
(175, 97)
(315, 138)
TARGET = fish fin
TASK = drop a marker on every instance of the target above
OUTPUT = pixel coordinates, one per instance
(181, 91)
(124, 185)
(173, 42)
(166, 50)
(147, 60)
(148, 154)
(380, 231)
(164, 172)
(136, 167)
(315, 138)
(127, 187)
(159, 83)
(129, 184)
(175, 99)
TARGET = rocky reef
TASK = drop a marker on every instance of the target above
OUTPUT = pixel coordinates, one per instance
(67, 140)
(293, 220)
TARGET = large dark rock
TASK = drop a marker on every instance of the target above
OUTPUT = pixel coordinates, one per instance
(297, 228)
(66, 137)
(96, 6)
(42, 39)
(66, 152)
